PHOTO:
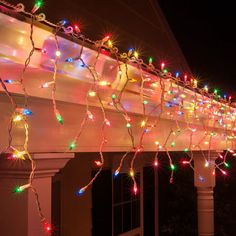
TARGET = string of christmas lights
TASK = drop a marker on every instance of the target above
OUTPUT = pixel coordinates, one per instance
(180, 98)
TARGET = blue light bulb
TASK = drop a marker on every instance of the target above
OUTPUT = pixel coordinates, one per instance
(70, 59)
(27, 112)
(80, 192)
(8, 81)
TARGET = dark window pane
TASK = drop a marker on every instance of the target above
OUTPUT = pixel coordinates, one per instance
(102, 204)
(117, 189)
(56, 207)
(135, 214)
(127, 187)
(126, 217)
(149, 200)
(117, 220)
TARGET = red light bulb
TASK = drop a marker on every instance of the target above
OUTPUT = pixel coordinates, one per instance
(47, 227)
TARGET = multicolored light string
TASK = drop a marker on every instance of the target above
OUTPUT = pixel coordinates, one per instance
(180, 99)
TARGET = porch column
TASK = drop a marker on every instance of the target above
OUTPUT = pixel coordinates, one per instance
(19, 214)
(204, 181)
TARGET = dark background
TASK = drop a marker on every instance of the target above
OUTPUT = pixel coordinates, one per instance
(206, 33)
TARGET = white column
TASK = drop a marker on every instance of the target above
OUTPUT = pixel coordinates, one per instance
(18, 212)
(204, 181)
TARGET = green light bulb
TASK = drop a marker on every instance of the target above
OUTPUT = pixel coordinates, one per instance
(39, 3)
(128, 125)
(59, 119)
(173, 167)
(227, 164)
(113, 96)
(18, 189)
(165, 71)
(72, 146)
(172, 144)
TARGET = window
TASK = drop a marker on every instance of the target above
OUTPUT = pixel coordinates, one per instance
(126, 205)
(102, 204)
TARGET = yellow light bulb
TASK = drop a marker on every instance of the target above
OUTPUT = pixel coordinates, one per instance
(131, 173)
(136, 54)
(157, 143)
(18, 118)
(92, 93)
(58, 53)
(109, 43)
(143, 123)
(104, 83)
(19, 154)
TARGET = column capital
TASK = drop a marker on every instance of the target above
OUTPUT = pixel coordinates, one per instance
(47, 165)
(204, 167)
(21, 209)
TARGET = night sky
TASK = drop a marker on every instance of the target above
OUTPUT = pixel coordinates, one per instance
(206, 34)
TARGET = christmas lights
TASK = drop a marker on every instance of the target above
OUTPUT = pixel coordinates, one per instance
(181, 99)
